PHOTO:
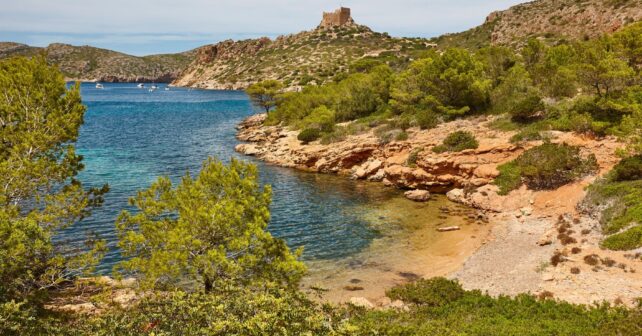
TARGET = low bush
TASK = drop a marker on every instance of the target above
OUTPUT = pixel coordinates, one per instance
(526, 108)
(309, 135)
(401, 136)
(441, 307)
(241, 313)
(628, 169)
(426, 120)
(527, 134)
(624, 241)
(548, 166)
(510, 177)
(457, 142)
(620, 206)
(412, 158)
(435, 292)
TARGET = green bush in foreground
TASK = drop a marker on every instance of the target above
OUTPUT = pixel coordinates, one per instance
(240, 313)
(457, 142)
(435, 292)
(548, 166)
(441, 307)
(309, 135)
(40, 194)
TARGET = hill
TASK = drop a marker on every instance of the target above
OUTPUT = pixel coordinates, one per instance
(552, 20)
(96, 64)
(309, 57)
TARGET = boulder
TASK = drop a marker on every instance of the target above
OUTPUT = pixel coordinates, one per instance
(378, 176)
(456, 195)
(418, 195)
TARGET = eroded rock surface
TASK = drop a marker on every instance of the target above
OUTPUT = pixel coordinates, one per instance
(525, 222)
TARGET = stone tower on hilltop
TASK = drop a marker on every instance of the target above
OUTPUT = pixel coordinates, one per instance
(340, 17)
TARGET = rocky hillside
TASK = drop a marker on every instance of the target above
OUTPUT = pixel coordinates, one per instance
(310, 57)
(95, 64)
(548, 19)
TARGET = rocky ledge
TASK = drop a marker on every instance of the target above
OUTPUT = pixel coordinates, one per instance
(466, 177)
(521, 256)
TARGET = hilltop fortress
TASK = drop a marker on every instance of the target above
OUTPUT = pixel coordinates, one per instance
(339, 17)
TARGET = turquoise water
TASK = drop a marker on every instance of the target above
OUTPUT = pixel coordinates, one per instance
(131, 136)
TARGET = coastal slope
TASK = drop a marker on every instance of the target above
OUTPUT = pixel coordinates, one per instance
(517, 258)
(552, 20)
(86, 63)
(310, 57)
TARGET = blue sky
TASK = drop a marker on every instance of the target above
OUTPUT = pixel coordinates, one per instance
(142, 27)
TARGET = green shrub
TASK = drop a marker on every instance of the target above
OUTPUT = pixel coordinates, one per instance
(548, 166)
(442, 308)
(412, 158)
(322, 118)
(624, 241)
(236, 313)
(401, 136)
(581, 123)
(389, 132)
(620, 203)
(509, 178)
(426, 120)
(435, 292)
(628, 169)
(527, 134)
(309, 135)
(526, 108)
(457, 142)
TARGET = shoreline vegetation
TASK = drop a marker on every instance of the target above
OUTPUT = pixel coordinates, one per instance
(544, 139)
(203, 261)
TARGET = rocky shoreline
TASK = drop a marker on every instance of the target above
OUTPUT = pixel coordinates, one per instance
(524, 236)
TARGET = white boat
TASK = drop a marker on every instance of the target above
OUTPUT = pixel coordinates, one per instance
(141, 86)
(99, 86)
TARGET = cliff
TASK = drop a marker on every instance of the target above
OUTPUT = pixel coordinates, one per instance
(94, 64)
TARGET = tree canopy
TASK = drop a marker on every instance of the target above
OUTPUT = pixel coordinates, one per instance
(39, 194)
(264, 94)
(210, 229)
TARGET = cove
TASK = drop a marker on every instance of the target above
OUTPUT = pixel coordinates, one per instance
(131, 136)
(347, 228)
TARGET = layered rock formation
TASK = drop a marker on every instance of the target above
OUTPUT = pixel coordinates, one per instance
(407, 164)
(525, 223)
(467, 176)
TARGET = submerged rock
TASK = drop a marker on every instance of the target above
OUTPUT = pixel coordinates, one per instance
(449, 228)
(418, 195)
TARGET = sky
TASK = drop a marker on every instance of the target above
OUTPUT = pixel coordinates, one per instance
(143, 27)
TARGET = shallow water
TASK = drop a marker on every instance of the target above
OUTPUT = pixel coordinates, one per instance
(131, 136)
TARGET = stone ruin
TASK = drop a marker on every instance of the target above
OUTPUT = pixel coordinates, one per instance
(340, 17)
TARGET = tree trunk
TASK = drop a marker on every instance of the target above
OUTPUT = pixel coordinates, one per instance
(208, 284)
